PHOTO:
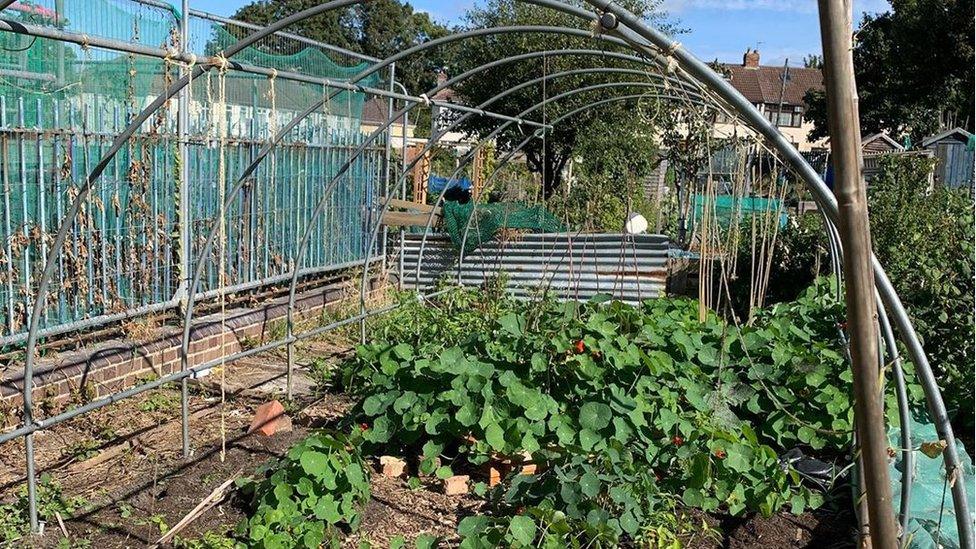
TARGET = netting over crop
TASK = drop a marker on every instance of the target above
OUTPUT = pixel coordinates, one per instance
(61, 105)
(491, 218)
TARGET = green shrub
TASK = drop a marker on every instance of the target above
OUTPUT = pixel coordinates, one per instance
(925, 240)
(310, 497)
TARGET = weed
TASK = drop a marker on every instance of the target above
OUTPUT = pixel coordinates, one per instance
(82, 449)
(209, 540)
(14, 517)
(160, 401)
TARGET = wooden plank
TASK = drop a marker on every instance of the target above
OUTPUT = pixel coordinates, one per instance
(408, 205)
(404, 218)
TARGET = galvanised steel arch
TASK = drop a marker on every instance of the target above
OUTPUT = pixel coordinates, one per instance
(221, 60)
(342, 170)
(644, 40)
(888, 297)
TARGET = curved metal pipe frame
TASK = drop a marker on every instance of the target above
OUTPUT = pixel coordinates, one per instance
(889, 298)
(266, 150)
(634, 33)
(129, 131)
(503, 162)
(68, 222)
(290, 338)
(483, 142)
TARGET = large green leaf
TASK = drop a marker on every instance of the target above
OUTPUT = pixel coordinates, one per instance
(522, 529)
(594, 415)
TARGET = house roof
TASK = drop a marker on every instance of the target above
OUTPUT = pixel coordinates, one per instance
(376, 110)
(764, 84)
(881, 136)
(958, 133)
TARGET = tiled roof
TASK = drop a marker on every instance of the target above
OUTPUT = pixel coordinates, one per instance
(376, 110)
(763, 84)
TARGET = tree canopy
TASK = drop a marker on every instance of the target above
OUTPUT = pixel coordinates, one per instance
(914, 70)
(547, 157)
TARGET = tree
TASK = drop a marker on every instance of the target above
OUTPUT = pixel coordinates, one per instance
(378, 28)
(608, 185)
(548, 156)
(914, 70)
(813, 61)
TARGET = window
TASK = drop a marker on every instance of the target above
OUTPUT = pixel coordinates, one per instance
(790, 115)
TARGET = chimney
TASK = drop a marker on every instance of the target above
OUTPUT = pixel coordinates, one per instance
(750, 59)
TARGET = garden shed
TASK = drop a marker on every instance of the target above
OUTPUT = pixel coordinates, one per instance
(954, 150)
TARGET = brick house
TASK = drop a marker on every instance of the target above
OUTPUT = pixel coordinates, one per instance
(777, 92)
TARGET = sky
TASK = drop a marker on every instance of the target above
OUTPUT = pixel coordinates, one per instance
(716, 29)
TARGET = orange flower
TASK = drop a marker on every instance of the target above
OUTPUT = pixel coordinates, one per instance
(579, 347)
(678, 441)
(720, 453)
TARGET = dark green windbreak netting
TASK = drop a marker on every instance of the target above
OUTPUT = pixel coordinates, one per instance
(40, 70)
(932, 523)
(490, 218)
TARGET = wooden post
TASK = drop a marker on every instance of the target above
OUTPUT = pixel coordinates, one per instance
(477, 173)
(421, 173)
(855, 234)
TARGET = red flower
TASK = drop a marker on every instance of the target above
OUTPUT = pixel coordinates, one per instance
(678, 441)
(720, 453)
(364, 426)
(579, 347)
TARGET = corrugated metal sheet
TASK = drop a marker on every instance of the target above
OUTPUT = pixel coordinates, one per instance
(571, 266)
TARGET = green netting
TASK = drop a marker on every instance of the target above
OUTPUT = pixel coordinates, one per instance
(40, 68)
(933, 518)
(490, 218)
(727, 208)
(62, 105)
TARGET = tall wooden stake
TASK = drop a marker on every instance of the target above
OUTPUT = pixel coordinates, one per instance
(855, 234)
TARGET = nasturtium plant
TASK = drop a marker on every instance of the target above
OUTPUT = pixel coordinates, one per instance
(310, 497)
(625, 410)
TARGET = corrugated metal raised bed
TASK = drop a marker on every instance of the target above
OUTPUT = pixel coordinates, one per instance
(570, 265)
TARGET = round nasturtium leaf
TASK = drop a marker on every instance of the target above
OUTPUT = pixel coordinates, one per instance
(522, 529)
(594, 416)
(314, 463)
(590, 484)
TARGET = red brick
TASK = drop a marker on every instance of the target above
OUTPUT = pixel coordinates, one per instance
(267, 419)
(456, 485)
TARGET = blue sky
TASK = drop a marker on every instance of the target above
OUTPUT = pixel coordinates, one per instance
(723, 29)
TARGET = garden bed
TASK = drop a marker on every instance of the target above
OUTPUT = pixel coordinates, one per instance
(648, 426)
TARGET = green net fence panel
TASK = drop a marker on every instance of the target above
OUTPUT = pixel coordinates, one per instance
(728, 209)
(933, 519)
(491, 218)
(61, 105)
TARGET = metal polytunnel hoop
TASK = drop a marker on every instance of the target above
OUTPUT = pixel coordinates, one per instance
(888, 296)
(678, 68)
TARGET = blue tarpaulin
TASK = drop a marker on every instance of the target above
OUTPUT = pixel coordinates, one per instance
(437, 184)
